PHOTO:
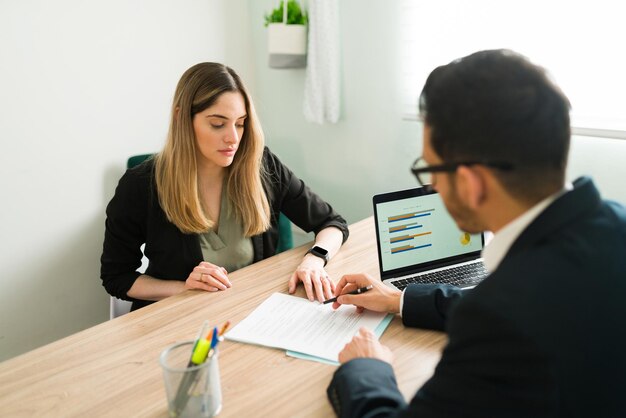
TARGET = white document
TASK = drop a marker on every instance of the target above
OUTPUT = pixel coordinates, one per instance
(297, 324)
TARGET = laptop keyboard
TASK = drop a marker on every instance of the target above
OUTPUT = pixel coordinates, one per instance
(462, 276)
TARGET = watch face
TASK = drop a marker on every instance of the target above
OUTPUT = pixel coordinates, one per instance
(319, 250)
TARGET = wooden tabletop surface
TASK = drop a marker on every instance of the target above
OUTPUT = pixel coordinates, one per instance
(112, 369)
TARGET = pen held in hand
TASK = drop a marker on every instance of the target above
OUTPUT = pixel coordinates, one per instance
(354, 292)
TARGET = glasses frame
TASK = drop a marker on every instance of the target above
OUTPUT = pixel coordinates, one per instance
(451, 167)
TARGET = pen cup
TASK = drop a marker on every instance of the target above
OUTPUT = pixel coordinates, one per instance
(191, 391)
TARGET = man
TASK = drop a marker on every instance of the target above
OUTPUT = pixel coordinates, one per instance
(544, 335)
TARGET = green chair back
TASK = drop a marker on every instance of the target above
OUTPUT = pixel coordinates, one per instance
(285, 236)
(137, 159)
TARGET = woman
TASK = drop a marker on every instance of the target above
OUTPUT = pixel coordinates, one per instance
(208, 203)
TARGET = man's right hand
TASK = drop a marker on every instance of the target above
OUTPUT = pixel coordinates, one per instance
(379, 299)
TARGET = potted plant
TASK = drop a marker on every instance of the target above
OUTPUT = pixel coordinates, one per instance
(287, 35)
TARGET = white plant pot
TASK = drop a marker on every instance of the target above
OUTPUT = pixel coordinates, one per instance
(287, 45)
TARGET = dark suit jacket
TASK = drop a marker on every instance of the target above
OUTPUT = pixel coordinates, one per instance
(543, 336)
(135, 217)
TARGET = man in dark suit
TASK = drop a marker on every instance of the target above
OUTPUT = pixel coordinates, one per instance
(544, 335)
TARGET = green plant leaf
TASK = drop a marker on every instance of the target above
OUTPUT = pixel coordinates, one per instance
(295, 14)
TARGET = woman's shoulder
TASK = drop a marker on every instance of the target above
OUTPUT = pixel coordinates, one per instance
(139, 178)
(272, 163)
(143, 171)
(268, 156)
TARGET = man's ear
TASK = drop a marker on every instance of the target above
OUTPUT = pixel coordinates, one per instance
(471, 185)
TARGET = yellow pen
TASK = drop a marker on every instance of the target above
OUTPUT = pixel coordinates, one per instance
(202, 350)
(198, 356)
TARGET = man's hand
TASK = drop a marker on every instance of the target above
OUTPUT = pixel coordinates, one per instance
(380, 299)
(365, 345)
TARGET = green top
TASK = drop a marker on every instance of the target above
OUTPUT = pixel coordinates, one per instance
(228, 247)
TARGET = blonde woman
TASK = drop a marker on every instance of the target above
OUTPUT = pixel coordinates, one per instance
(208, 203)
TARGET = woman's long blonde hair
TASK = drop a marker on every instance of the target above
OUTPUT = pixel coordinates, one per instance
(176, 170)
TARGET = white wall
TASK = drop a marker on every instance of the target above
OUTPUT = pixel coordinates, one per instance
(604, 160)
(84, 85)
(371, 148)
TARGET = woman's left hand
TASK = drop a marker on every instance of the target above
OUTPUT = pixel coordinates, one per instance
(315, 279)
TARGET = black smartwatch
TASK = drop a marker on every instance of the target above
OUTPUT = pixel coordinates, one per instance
(319, 252)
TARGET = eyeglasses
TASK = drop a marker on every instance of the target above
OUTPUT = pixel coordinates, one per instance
(423, 172)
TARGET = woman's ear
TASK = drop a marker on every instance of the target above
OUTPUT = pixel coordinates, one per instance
(471, 185)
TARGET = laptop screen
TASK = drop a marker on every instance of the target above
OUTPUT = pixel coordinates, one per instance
(415, 232)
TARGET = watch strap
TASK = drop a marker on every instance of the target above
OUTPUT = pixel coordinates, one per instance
(314, 250)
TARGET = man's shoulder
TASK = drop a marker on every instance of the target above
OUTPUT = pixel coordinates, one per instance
(615, 214)
(581, 263)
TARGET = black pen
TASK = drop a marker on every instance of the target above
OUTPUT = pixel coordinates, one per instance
(354, 292)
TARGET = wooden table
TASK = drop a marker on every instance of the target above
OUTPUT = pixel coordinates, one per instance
(112, 369)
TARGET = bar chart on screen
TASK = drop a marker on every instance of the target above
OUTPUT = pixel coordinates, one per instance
(418, 229)
(406, 230)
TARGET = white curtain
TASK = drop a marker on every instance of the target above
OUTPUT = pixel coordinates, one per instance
(321, 91)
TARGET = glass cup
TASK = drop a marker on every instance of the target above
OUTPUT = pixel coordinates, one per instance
(191, 391)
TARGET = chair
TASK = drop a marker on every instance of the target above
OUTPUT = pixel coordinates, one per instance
(120, 307)
(137, 159)
(285, 235)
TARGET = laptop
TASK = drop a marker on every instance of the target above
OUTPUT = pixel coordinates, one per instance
(419, 242)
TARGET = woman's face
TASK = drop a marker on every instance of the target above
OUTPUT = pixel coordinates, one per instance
(219, 129)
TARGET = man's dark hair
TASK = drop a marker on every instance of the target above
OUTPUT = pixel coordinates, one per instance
(497, 106)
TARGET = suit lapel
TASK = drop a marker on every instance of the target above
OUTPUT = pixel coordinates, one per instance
(563, 211)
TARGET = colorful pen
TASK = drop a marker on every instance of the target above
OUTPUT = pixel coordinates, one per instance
(202, 350)
(354, 292)
(215, 340)
(224, 328)
(199, 338)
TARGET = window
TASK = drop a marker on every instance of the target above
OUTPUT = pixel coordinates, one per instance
(579, 43)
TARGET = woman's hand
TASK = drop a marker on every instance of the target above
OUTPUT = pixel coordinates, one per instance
(315, 279)
(209, 277)
(365, 345)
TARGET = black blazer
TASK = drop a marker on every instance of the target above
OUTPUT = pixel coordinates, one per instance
(543, 336)
(135, 217)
